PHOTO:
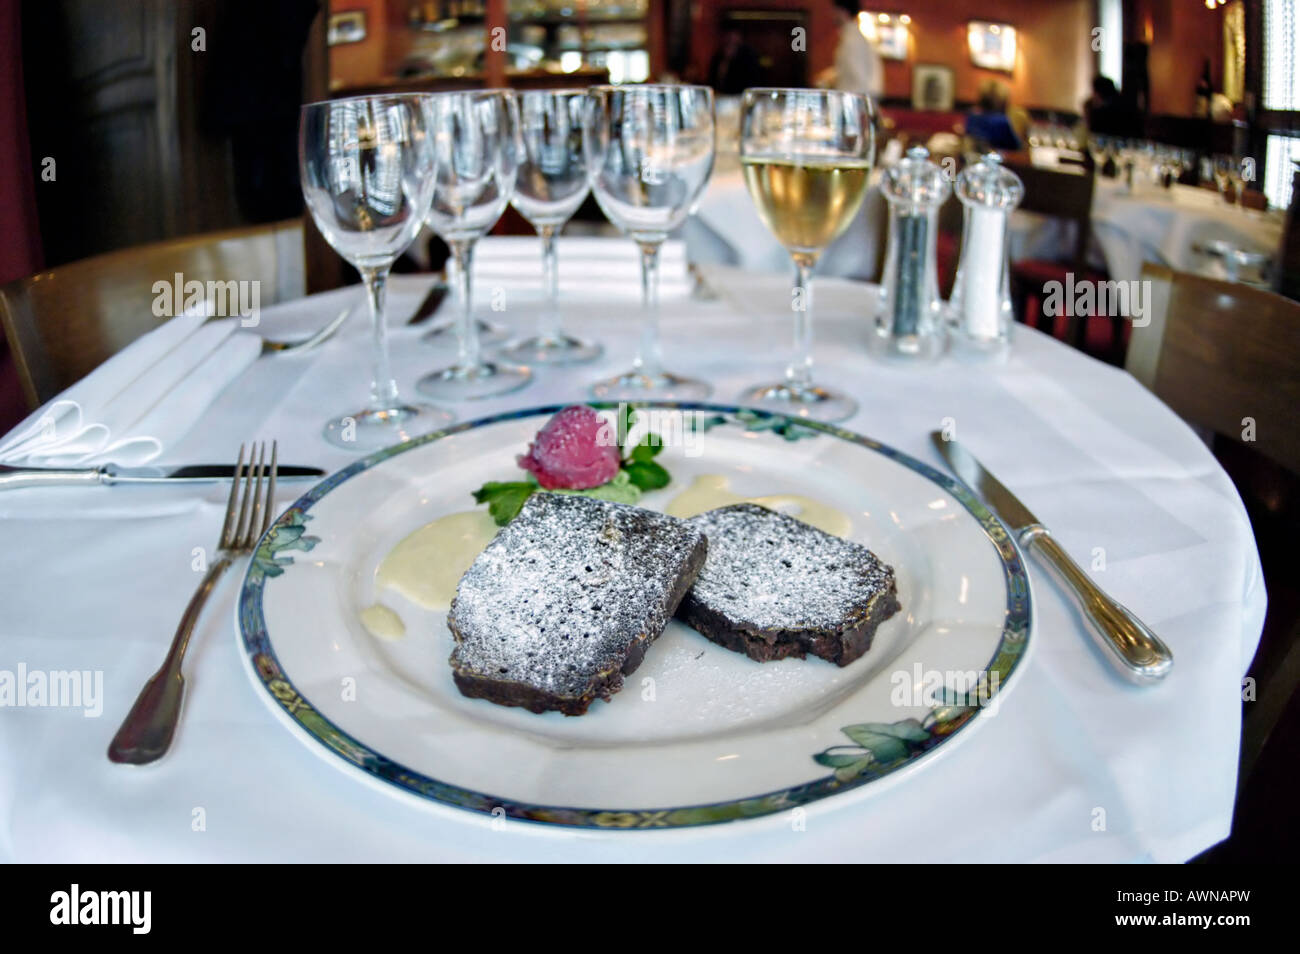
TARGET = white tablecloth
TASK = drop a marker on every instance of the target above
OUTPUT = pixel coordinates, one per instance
(1165, 227)
(96, 580)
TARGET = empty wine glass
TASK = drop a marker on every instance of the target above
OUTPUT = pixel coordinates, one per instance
(549, 187)
(476, 146)
(1223, 170)
(649, 154)
(367, 178)
(807, 157)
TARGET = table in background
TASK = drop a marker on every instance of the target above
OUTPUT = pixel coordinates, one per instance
(1154, 225)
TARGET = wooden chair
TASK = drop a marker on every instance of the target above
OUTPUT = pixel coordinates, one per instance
(63, 323)
(1067, 196)
(1219, 353)
(1226, 357)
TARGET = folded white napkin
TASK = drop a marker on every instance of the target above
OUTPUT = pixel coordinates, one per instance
(137, 402)
(586, 264)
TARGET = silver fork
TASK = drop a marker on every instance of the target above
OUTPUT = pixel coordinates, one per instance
(271, 346)
(146, 732)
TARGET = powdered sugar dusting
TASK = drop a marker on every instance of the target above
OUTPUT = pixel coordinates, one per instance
(560, 595)
(768, 571)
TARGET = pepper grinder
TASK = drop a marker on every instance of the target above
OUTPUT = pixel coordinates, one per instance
(909, 316)
(980, 307)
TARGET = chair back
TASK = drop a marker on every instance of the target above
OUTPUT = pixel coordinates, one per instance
(63, 323)
(1224, 356)
(1061, 195)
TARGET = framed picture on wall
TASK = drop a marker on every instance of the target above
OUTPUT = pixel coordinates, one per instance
(348, 26)
(992, 45)
(888, 31)
(932, 87)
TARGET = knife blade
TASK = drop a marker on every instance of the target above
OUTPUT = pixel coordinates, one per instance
(13, 478)
(1137, 652)
(429, 306)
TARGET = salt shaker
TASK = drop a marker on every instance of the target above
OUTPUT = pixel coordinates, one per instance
(980, 308)
(909, 317)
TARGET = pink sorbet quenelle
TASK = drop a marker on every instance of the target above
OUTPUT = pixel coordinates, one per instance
(574, 450)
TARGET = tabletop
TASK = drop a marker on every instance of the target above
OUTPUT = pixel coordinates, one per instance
(1076, 765)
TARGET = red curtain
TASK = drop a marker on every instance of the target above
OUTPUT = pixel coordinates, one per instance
(20, 239)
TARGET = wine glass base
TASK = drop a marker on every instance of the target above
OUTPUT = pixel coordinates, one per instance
(488, 332)
(560, 349)
(640, 386)
(811, 402)
(371, 430)
(469, 383)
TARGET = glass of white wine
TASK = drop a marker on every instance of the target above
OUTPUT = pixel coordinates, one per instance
(807, 157)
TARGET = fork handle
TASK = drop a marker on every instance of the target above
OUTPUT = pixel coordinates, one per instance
(146, 732)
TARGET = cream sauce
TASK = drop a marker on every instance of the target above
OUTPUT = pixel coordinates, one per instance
(426, 565)
(382, 623)
(709, 491)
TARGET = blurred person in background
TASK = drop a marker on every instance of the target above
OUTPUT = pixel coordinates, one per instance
(858, 67)
(988, 127)
(735, 67)
(1108, 113)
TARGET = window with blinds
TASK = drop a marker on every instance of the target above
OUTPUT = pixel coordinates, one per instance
(1281, 92)
(1281, 46)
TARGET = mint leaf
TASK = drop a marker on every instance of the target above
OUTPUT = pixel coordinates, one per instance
(627, 417)
(619, 490)
(646, 474)
(646, 451)
(504, 498)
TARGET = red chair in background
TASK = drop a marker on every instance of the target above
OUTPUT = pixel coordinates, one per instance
(1068, 196)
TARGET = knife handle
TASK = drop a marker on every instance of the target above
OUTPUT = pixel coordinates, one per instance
(1131, 645)
(12, 478)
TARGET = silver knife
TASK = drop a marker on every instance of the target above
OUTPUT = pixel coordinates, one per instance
(12, 478)
(1137, 652)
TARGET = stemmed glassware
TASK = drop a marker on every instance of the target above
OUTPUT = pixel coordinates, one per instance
(367, 171)
(476, 144)
(807, 157)
(1227, 176)
(549, 187)
(1097, 146)
(649, 152)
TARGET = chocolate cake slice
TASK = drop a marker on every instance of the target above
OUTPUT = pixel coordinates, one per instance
(564, 601)
(774, 587)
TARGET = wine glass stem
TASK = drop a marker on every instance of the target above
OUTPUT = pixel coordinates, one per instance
(468, 355)
(383, 389)
(649, 358)
(799, 371)
(548, 328)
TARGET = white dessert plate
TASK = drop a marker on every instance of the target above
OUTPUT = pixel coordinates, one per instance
(699, 734)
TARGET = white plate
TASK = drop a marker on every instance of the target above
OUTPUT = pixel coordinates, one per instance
(698, 734)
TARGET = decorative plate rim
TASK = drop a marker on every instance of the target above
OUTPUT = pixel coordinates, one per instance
(944, 722)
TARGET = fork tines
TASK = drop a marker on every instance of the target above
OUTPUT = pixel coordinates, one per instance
(248, 514)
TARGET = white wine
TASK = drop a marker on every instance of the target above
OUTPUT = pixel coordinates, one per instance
(806, 204)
